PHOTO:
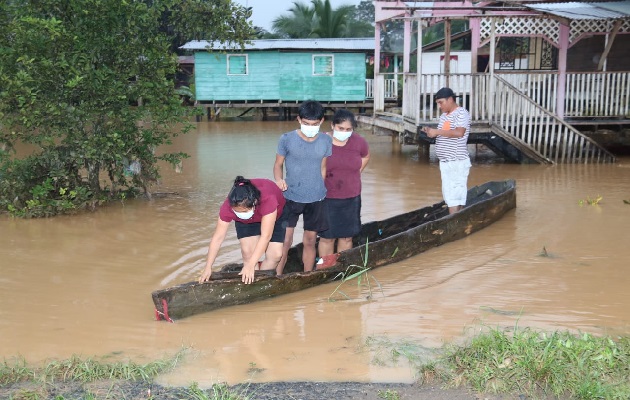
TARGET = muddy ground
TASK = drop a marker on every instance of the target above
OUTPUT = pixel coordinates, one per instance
(253, 391)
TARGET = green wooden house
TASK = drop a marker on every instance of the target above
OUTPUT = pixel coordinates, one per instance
(282, 70)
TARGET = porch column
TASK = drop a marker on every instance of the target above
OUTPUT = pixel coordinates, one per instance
(406, 45)
(563, 47)
(396, 71)
(447, 51)
(491, 83)
(378, 93)
(474, 43)
(419, 96)
(406, 100)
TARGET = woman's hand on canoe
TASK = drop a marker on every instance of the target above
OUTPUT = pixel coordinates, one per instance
(205, 275)
(247, 273)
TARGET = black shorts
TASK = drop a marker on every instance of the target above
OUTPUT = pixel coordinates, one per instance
(314, 215)
(244, 230)
(344, 218)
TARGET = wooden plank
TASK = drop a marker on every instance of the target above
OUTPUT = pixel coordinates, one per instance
(610, 41)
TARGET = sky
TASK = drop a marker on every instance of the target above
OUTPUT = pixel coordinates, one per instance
(265, 11)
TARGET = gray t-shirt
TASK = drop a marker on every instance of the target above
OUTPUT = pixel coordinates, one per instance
(303, 166)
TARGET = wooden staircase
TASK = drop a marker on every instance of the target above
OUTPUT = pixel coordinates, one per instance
(539, 134)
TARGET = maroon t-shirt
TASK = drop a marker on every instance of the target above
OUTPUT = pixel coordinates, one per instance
(271, 199)
(343, 168)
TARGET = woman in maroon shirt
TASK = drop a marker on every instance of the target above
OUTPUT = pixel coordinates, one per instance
(349, 157)
(256, 207)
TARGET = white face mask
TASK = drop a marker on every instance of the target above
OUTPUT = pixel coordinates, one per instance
(341, 136)
(309, 131)
(244, 215)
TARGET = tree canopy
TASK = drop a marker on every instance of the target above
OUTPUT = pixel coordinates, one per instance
(88, 86)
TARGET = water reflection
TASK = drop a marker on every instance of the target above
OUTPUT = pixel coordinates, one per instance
(82, 284)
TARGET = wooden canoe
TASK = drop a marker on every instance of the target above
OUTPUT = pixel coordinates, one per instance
(387, 241)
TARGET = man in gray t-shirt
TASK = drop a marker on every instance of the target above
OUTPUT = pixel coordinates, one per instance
(302, 154)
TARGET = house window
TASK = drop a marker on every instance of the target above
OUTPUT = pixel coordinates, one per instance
(323, 65)
(524, 53)
(237, 64)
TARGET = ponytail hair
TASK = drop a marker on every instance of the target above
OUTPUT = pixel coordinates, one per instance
(243, 193)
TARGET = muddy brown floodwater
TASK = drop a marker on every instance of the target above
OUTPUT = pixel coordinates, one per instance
(82, 284)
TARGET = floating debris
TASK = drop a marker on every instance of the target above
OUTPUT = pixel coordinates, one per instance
(592, 202)
(501, 312)
(544, 252)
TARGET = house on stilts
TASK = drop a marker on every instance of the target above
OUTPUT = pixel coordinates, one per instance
(278, 74)
(529, 73)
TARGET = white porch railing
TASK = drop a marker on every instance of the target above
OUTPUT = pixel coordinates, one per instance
(509, 110)
(587, 94)
(390, 89)
(411, 100)
(421, 106)
(524, 119)
(597, 94)
(539, 86)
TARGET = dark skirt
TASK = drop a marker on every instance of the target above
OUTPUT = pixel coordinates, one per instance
(344, 218)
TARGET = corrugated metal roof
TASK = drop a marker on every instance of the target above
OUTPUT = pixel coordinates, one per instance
(186, 59)
(290, 44)
(579, 10)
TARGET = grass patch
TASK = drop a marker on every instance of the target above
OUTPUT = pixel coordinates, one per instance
(90, 379)
(518, 361)
(526, 361)
(217, 392)
(83, 370)
(521, 362)
(388, 394)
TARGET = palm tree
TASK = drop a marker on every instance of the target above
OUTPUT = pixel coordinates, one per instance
(320, 20)
(331, 23)
(300, 24)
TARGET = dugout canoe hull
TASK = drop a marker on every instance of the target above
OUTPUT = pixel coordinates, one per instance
(387, 241)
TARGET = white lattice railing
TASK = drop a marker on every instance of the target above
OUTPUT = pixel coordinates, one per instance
(519, 26)
(546, 27)
(581, 27)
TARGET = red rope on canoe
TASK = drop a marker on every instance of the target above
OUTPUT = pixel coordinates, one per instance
(163, 315)
(165, 308)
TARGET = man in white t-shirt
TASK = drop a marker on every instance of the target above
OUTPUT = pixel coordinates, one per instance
(451, 138)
